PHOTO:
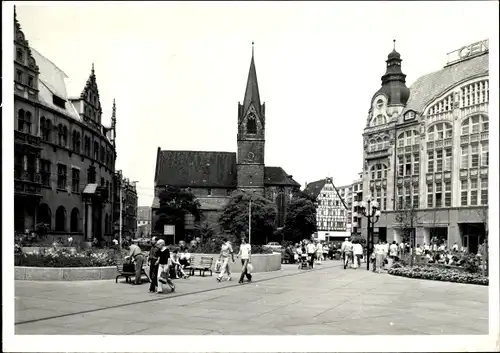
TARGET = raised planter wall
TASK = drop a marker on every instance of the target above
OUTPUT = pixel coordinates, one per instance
(260, 262)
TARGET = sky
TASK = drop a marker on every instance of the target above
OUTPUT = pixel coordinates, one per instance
(178, 71)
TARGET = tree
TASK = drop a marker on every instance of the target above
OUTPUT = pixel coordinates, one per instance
(300, 221)
(406, 219)
(175, 204)
(234, 217)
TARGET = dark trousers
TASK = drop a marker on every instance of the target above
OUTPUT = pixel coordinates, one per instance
(244, 272)
(139, 261)
(311, 260)
(153, 274)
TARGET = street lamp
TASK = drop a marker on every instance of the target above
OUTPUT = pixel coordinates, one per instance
(370, 209)
(249, 215)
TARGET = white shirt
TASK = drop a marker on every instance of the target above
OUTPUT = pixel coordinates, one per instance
(393, 248)
(386, 248)
(418, 251)
(455, 247)
(426, 247)
(379, 249)
(115, 241)
(357, 249)
(319, 248)
(245, 250)
(311, 248)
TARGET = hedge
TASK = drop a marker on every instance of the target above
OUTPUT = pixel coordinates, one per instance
(439, 274)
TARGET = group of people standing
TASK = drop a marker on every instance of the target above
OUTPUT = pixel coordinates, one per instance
(245, 254)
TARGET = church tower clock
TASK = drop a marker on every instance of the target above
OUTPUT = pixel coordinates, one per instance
(251, 136)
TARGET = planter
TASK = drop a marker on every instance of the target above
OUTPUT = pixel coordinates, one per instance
(260, 262)
(64, 274)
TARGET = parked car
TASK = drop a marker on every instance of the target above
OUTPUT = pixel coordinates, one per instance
(274, 246)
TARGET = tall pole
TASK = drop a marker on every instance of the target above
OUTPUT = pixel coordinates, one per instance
(369, 236)
(250, 221)
(121, 210)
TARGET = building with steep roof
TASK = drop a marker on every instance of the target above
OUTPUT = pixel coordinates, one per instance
(64, 157)
(214, 176)
(426, 150)
(332, 211)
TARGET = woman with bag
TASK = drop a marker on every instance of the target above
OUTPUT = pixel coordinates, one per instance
(153, 267)
(163, 263)
(245, 253)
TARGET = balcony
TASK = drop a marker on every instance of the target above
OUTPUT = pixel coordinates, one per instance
(439, 176)
(27, 184)
(473, 173)
(447, 176)
(30, 141)
(484, 136)
(378, 153)
(474, 138)
(464, 140)
(484, 171)
(430, 177)
(464, 173)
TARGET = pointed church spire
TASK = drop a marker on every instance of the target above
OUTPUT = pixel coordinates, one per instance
(252, 90)
(113, 122)
(394, 44)
(92, 72)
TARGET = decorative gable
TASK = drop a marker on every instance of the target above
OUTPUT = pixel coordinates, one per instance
(92, 109)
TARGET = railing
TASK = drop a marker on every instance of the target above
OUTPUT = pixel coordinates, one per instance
(484, 135)
(474, 138)
(28, 176)
(28, 139)
(464, 173)
(448, 142)
(377, 154)
(464, 140)
(447, 175)
(484, 170)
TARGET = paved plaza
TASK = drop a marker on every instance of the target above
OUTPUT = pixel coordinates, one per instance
(328, 300)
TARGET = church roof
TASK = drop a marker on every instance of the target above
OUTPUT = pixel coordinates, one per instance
(430, 86)
(208, 169)
(196, 169)
(277, 176)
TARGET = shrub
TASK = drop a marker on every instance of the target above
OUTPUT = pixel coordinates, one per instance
(57, 257)
(439, 274)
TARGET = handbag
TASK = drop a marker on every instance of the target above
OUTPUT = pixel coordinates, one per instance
(249, 268)
(218, 265)
(128, 267)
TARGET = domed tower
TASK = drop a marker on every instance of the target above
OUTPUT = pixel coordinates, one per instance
(393, 92)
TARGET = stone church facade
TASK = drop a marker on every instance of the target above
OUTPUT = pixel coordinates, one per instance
(213, 176)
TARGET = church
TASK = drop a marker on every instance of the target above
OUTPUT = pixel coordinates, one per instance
(213, 176)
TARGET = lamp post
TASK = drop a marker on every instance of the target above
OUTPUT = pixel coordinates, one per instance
(370, 209)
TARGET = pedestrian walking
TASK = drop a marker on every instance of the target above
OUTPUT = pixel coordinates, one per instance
(379, 257)
(153, 265)
(346, 250)
(163, 263)
(357, 250)
(225, 251)
(246, 258)
(311, 252)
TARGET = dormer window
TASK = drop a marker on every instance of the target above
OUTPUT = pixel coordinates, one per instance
(59, 102)
(410, 115)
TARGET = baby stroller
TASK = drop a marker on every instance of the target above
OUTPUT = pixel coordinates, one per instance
(304, 262)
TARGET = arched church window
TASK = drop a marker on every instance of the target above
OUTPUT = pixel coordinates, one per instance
(251, 124)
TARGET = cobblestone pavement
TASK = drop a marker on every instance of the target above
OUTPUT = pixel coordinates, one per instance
(328, 300)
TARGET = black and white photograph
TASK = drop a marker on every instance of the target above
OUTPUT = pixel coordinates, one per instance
(250, 176)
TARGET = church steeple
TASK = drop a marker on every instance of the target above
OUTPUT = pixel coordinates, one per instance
(252, 90)
(113, 123)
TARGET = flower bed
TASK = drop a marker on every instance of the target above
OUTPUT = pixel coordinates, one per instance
(66, 257)
(439, 274)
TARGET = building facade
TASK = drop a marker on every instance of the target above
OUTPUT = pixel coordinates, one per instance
(213, 176)
(128, 206)
(426, 149)
(346, 193)
(357, 198)
(331, 212)
(64, 157)
(143, 221)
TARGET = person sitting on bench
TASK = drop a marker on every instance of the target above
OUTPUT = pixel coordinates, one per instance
(177, 267)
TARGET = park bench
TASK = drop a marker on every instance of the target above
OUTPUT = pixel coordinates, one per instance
(128, 272)
(202, 264)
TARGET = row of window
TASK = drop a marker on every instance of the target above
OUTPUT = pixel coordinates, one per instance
(331, 212)
(331, 225)
(439, 160)
(409, 164)
(101, 154)
(61, 219)
(378, 144)
(475, 124)
(474, 191)
(408, 138)
(62, 182)
(475, 155)
(379, 171)
(20, 79)
(472, 94)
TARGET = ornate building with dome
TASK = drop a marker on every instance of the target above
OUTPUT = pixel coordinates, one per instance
(426, 150)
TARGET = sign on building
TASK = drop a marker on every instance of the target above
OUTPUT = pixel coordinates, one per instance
(468, 51)
(169, 229)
